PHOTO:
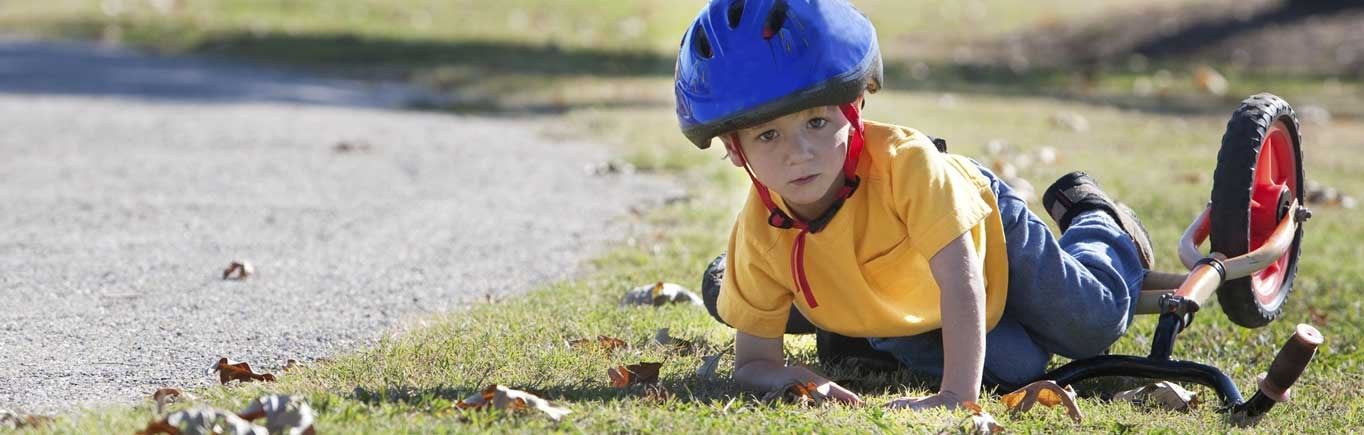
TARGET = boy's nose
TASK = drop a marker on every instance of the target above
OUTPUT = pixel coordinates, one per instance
(803, 150)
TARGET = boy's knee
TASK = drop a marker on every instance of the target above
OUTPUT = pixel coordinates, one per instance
(1092, 340)
(1017, 370)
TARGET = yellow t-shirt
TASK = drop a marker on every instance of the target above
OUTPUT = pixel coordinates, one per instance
(868, 269)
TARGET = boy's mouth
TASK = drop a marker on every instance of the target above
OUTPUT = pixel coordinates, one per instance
(804, 180)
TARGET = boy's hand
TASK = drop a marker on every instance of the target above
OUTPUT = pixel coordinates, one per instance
(837, 392)
(945, 400)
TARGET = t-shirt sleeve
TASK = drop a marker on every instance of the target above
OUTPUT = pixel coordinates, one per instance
(750, 299)
(939, 200)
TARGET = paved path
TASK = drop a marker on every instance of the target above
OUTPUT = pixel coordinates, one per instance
(129, 182)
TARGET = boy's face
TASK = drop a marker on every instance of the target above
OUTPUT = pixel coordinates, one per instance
(800, 156)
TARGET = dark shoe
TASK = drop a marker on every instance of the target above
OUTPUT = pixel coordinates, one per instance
(1076, 193)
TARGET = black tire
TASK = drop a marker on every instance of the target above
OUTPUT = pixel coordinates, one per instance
(1232, 190)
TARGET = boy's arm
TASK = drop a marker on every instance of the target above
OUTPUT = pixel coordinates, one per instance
(959, 274)
(759, 366)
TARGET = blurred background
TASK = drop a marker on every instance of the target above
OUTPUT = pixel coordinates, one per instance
(1136, 92)
(554, 56)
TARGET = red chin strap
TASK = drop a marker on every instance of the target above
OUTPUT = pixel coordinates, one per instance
(780, 219)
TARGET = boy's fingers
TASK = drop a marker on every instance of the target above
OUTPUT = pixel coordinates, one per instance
(842, 394)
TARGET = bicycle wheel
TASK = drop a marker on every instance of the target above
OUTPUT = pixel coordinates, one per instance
(1259, 173)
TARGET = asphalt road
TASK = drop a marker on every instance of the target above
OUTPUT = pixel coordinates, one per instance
(128, 182)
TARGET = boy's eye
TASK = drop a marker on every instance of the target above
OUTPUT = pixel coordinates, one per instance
(817, 123)
(767, 136)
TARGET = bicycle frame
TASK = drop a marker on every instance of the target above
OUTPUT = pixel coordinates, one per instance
(1176, 297)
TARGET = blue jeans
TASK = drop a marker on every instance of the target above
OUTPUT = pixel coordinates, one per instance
(1073, 297)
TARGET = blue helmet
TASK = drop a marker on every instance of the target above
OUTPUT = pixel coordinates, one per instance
(746, 62)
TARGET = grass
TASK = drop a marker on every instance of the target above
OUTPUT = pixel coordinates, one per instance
(410, 379)
(615, 90)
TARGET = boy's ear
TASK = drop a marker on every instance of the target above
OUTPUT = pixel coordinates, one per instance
(732, 153)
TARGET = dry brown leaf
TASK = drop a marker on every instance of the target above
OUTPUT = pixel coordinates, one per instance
(290, 365)
(664, 338)
(12, 420)
(642, 373)
(229, 370)
(239, 270)
(659, 294)
(801, 393)
(203, 421)
(1210, 81)
(1319, 318)
(980, 422)
(168, 395)
(608, 344)
(508, 399)
(283, 414)
(1047, 393)
(1167, 395)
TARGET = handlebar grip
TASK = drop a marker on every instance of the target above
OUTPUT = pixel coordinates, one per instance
(1289, 364)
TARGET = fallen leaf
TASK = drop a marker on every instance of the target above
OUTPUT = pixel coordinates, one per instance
(1045, 392)
(239, 270)
(663, 338)
(168, 395)
(656, 392)
(11, 420)
(800, 393)
(1070, 120)
(709, 364)
(659, 294)
(283, 414)
(608, 344)
(508, 399)
(642, 373)
(1319, 318)
(1004, 169)
(1210, 81)
(203, 421)
(980, 422)
(1046, 155)
(229, 370)
(1167, 395)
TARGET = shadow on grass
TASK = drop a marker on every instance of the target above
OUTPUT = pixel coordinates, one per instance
(685, 390)
(1211, 32)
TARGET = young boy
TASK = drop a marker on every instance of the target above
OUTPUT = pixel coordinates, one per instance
(866, 230)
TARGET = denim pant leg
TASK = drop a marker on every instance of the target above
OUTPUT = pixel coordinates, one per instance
(1077, 295)
(1072, 297)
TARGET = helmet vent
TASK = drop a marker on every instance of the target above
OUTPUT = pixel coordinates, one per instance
(775, 19)
(700, 43)
(736, 13)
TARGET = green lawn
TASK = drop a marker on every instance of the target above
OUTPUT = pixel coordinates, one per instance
(599, 86)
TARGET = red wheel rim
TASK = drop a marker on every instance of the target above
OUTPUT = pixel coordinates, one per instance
(1275, 172)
